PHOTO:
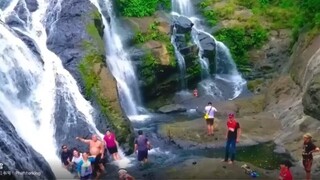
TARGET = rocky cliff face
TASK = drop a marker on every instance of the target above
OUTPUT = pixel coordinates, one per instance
(15, 155)
(75, 34)
(294, 99)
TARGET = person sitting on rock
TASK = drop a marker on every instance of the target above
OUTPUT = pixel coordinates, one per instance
(307, 157)
(66, 157)
(285, 173)
(232, 135)
(112, 144)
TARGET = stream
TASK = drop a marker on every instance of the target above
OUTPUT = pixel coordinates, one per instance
(165, 154)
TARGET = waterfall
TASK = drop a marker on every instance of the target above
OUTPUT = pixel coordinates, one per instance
(34, 87)
(119, 62)
(181, 61)
(226, 68)
(27, 97)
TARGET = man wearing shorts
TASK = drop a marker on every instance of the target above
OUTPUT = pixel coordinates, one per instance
(307, 157)
(210, 110)
(141, 146)
(96, 149)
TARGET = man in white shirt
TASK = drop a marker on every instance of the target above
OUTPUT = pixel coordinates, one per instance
(210, 110)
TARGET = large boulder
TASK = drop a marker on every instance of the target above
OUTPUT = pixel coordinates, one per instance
(311, 99)
(172, 108)
(32, 5)
(67, 32)
(183, 25)
(207, 44)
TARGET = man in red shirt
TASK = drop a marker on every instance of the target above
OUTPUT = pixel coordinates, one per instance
(232, 135)
(285, 173)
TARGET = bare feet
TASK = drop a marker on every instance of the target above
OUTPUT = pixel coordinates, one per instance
(230, 162)
(223, 160)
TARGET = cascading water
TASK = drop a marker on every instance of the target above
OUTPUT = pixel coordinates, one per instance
(226, 68)
(32, 85)
(24, 89)
(119, 62)
(181, 61)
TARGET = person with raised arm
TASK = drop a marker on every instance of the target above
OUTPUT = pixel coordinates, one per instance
(96, 149)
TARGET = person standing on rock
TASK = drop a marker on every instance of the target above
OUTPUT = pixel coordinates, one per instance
(209, 117)
(97, 149)
(232, 136)
(307, 157)
(141, 147)
(112, 144)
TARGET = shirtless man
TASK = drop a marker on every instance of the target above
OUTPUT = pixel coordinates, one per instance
(96, 149)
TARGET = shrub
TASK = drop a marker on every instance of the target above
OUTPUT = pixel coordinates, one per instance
(241, 39)
(140, 8)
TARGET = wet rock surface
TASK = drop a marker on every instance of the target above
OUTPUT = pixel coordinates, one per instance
(172, 108)
(183, 25)
(15, 155)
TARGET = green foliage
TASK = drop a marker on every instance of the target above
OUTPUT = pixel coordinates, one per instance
(148, 68)
(170, 49)
(227, 10)
(210, 15)
(253, 84)
(241, 39)
(95, 30)
(140, 8)
(194, 70)
(204, 4)
(166, 4)
(94, 50)
(90, 79)
(247, 3)
(154, 34)
(137, 8)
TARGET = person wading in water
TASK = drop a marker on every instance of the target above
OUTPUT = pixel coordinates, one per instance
(209, 117)
(112, 144)
(232, 135)
(307, 157)
(141, 146)
(96, 148)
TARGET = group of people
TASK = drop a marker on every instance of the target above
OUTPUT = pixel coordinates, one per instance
(233, 133)
(92, 163)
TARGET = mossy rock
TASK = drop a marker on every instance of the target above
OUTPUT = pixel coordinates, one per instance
(100, 85)
(255, 84)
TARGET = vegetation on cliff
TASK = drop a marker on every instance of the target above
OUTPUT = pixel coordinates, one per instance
(90, 68)
(159, 61)
(246, 23)
(140, 8)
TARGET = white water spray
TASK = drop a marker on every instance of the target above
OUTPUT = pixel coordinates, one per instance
(33, 117)
(223, 56)
(119, 62)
